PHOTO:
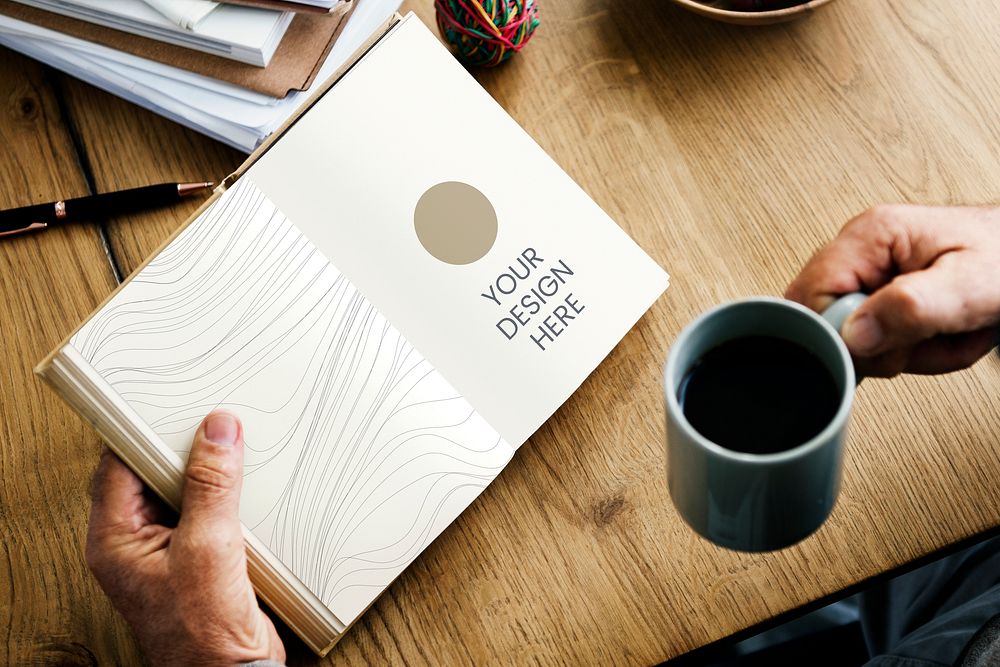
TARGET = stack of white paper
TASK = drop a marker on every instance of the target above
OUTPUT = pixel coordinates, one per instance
(245, 34)
(236, 116)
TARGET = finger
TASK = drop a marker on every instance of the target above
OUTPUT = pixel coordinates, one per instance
(915, 307)
(856, 260)
(886, 365)
(941, 354)
(213, 477)
(945, 354)
(870, 250)
(116, 496)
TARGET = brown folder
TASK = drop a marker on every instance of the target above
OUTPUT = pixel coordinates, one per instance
(294, 65)
(283, 5)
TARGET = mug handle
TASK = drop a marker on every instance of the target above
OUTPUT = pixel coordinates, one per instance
(842, 308)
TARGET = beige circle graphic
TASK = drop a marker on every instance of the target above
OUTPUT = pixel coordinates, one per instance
(455, 222)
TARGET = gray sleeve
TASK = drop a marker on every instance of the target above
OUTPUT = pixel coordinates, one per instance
(940, 614)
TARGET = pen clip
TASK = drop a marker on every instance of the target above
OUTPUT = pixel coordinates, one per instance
(27, 228)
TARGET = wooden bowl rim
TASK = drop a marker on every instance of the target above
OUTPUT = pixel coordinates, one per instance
(736, 14)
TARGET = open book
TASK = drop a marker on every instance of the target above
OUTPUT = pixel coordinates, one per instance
(390, 317)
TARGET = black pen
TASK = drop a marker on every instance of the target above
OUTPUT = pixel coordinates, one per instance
(38, 217)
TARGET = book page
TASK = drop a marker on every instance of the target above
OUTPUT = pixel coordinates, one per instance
(358, 452)
(506, 276)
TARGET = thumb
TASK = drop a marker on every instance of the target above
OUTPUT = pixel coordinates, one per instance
(910, 309)
(214, 474)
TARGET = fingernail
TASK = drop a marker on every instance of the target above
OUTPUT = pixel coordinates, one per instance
(222, 428)
(863, 334)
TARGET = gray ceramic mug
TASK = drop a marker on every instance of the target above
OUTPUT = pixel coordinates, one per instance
(758, 502)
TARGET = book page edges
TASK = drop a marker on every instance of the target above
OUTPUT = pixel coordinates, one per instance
(160, 469)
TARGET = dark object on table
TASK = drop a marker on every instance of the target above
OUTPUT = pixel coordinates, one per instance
(39, 216)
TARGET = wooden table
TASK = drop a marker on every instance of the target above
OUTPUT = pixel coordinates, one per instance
(729, 154)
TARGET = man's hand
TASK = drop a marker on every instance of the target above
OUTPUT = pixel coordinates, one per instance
(184, 589)
(934, 278)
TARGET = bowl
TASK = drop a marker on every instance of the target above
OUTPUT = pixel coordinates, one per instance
(750, 17)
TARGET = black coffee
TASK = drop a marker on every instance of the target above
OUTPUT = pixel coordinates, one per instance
(759, 394)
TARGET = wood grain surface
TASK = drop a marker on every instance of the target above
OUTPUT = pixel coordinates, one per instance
(51, 610)
(729, 154)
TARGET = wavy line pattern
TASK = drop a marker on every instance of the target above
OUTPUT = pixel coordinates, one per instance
(358, 452)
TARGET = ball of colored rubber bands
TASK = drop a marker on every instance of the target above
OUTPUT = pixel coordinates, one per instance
(486, 32)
